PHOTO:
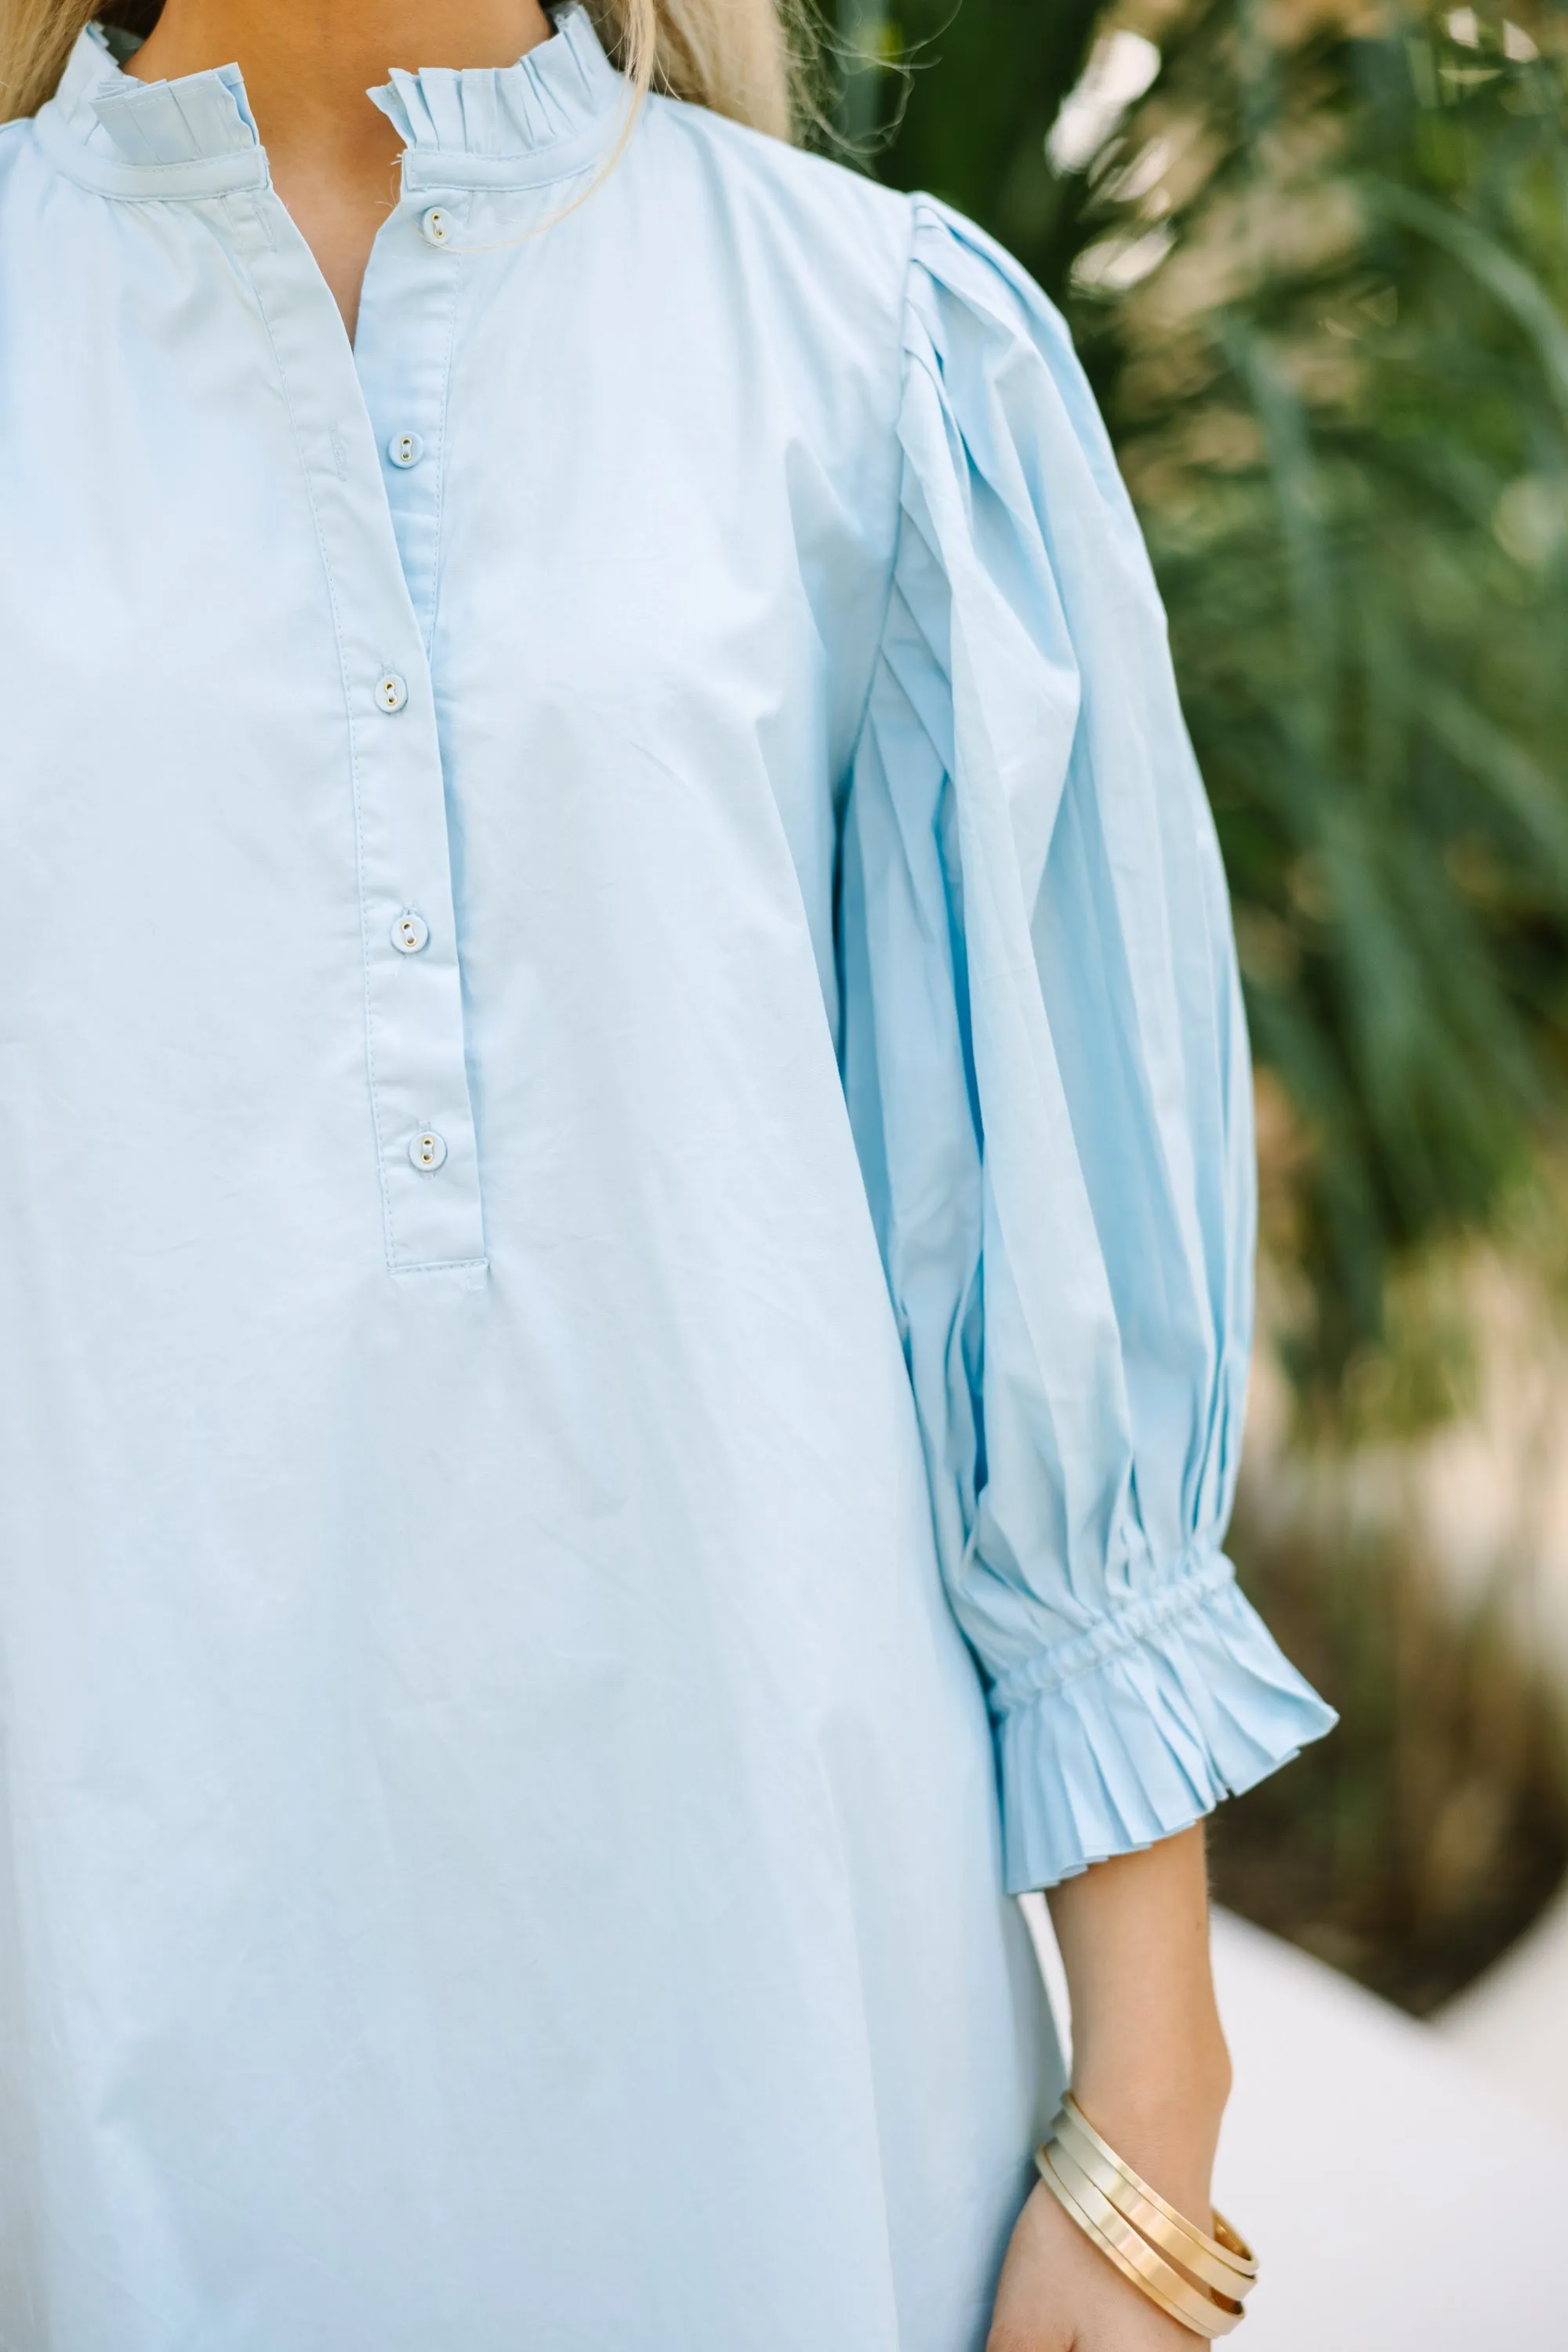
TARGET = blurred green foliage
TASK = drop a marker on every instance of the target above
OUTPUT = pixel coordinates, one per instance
(1319, 274)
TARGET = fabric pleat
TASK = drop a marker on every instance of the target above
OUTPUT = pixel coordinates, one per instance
(554, 92)
(198, 117)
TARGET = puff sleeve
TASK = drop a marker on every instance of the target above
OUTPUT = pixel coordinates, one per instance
(1046, 1062)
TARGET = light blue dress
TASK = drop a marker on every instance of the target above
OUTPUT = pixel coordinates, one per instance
(626, 1208)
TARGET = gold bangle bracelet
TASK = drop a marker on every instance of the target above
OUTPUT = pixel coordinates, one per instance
(1190, 2307)
(1206, 2258)
(1227, 2247)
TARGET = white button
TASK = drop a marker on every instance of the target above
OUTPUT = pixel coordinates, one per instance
(409, 933)
(436, 226)
(426, 1149)
(405, 449)
(391, 693)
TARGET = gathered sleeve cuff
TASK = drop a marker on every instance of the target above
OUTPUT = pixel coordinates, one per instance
(1045, 1058)
(1115, 1738)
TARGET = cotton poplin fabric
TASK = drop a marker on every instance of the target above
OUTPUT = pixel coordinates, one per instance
(624, 1230)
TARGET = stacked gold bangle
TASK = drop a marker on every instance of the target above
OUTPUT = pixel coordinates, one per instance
(1198, 2281)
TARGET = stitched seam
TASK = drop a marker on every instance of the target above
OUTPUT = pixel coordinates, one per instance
(459, 289)
(900, 379)
(249, 156)
(354, 761)
(102, 176)
(431, 168)
(162, 195)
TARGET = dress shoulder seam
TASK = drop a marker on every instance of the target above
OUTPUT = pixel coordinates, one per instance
(899, 374)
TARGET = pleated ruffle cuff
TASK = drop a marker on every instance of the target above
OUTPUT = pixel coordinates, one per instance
(1137, 1731)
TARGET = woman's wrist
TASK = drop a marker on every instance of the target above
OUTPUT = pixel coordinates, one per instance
(1151, 2070)
(1151, 2076)
(1161, 2104)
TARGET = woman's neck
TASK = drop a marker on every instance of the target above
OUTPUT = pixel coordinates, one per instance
(307, 66)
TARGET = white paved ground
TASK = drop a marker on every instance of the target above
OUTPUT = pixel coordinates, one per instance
(1514, 2024)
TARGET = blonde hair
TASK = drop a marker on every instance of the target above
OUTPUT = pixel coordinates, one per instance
(742, 58)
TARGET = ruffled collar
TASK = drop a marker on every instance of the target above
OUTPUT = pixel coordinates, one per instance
(546, 117)
(562, 93)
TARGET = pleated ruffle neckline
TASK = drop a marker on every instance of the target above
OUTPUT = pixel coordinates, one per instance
(185, 121)
(551, 98)
(520, 124)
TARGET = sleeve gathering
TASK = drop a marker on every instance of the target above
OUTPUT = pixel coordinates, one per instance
(1046, 1061)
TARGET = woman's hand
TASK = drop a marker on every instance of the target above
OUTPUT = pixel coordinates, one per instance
(1058, 2294)
(1150, 2072)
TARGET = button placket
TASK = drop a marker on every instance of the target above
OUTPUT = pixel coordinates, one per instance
(416, 1052)
(402, 347)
